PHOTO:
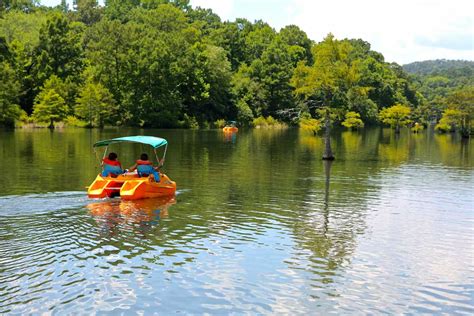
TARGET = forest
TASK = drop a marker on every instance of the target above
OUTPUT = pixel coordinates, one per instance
(165, 64)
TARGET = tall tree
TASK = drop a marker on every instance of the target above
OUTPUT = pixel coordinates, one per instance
(396, 116)
(49, 107)
(9, 92)
(95, 104)
(325, 83)
(88, 11)
(59, 51)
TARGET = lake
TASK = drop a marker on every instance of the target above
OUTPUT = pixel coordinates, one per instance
(259, 225)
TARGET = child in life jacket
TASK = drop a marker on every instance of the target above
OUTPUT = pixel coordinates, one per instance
(111, 166)
(145, 168)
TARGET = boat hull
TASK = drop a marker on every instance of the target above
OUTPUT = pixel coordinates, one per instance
(230, 129)
(131, 187)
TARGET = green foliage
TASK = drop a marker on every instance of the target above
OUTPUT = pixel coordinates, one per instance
(348, 76)
(88, 11)
(244, 113)
(95, 105)
(462, 100)
(450, 120)
(220, 123)
(190, 122)
(75, 122)
(260, 122)
(166, 64)
(437, 79)
(9, 91)
(308, 124)
(59, 50)
(49, 107)
(268, 122)
(441, 66)
(396, 116)
(21, 5)
(353, 121)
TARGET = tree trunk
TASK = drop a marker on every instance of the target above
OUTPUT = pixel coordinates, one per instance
(397, 129)
(327, 139)
(51, 124)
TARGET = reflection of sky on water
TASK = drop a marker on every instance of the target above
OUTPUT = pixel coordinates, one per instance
(259, 229)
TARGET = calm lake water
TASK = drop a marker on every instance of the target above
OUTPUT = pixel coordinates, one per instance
(259, 225)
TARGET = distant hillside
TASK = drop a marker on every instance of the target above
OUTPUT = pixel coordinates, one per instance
(439, 79)
(441, 67)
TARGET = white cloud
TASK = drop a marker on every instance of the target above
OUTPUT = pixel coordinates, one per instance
(403, 31)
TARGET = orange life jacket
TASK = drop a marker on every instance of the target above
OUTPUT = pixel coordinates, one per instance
(143, 162)
(112, 162)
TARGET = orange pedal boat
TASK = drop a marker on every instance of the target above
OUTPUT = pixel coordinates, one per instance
(130, 186)
(231, 127)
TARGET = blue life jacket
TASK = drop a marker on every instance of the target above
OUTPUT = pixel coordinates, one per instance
(145, 168)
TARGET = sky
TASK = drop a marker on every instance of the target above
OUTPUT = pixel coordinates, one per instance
(403, 31)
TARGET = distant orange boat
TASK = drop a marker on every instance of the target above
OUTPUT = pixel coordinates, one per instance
(230, 127)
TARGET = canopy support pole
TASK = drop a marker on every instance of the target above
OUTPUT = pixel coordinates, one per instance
(164, 154)
(105, 152)
(156, 156)
(96, 156)
(158, 159)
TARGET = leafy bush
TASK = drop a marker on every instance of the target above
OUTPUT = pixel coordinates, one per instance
(75, 122)
(308, 124)
(260, 122)
(245, 114)
(220, 123)
(190, 122)
(269, 122)
(396, 116)
(353, 121)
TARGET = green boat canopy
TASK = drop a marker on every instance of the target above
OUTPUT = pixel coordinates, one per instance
(154, 142)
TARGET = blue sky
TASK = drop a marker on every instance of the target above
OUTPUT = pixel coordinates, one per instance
(403, 30)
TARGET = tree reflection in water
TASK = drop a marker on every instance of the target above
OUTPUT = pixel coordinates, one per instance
(327, 172)
(115, 215)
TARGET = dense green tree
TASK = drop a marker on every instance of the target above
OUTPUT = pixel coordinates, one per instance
(449, 121)
(257, 40)
(95, 104)
(49, 107)
(353, 120)
(21, 32)
(298, 42)
(249, 92)
(436, 79)
(277, 67)
(167, 64)
(88, 11)
(22, 5)
(59, 51)
(213, 76)
(309, 124)
(396, 116)
(231, 37)
(461, 102)
(205, 20)
(9, 92)
(326, 82)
